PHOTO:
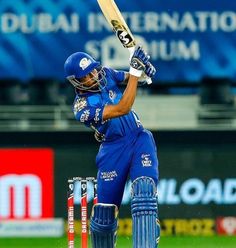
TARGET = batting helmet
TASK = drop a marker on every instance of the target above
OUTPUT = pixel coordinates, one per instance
(78, 65)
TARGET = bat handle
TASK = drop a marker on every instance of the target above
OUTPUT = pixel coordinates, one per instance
(149, 80)
(131, 52)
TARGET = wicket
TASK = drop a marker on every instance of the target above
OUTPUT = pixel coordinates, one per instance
(84, 209)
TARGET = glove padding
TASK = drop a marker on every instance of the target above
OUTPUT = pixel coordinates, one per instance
(149, 70)
(138, 62)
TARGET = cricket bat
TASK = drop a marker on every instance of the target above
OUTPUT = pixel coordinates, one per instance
(119, 26)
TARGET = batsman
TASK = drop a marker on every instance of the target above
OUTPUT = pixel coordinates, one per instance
(127, 149)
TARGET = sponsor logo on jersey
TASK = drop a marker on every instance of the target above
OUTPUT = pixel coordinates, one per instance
(108, 175)
(96, 117)
(146, 161)
(79, 104)
(85, 115)
(112, 95)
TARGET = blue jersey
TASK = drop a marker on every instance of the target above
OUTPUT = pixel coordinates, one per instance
(88, 109)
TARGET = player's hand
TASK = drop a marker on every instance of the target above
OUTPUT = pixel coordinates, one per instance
(148, 73)
(149, 70)
(138, 62)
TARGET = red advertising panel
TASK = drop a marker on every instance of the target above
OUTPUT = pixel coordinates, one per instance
(26, 183)
(226, 225)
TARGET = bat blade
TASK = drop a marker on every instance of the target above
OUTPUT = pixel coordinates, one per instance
(119, 26)
(117, 22)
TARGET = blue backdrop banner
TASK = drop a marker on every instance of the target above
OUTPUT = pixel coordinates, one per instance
(186, 39)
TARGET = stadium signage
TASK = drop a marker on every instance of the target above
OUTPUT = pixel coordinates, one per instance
(13, 196)
(226, 225)
(43, 23)
(26, 184)
(32, 228)
(204, 227)
(195, 191)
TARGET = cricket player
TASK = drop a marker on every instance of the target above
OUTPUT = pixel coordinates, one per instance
(126, 150)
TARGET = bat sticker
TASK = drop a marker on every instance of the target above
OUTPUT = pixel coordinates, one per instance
(122, 34)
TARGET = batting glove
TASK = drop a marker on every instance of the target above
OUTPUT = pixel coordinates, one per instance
(138, 62)
(149, 70)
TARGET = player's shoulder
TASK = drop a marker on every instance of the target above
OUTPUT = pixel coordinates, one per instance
(79, 104)
(116, 75)
(82, 102)
(110, 71)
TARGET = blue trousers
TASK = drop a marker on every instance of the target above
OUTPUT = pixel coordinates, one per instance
(133, 156)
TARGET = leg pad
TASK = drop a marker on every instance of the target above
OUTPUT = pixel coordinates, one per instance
(103, 225)
(146, 227)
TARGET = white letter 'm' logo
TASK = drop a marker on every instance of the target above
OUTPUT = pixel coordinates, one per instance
(20, 196)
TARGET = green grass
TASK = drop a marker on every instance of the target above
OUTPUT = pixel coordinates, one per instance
(124, 242)
(198, 242)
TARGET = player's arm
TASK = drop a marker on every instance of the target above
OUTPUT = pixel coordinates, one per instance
(126, 102)
(141, 81)
(126, 80)
(137, 66)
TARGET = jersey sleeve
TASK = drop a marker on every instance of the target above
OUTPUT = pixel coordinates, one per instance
(118, 76)
(89, 115)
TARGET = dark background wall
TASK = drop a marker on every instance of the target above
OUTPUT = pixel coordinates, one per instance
(183, 155)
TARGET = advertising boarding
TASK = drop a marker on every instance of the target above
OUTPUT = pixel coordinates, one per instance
(187, 40)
